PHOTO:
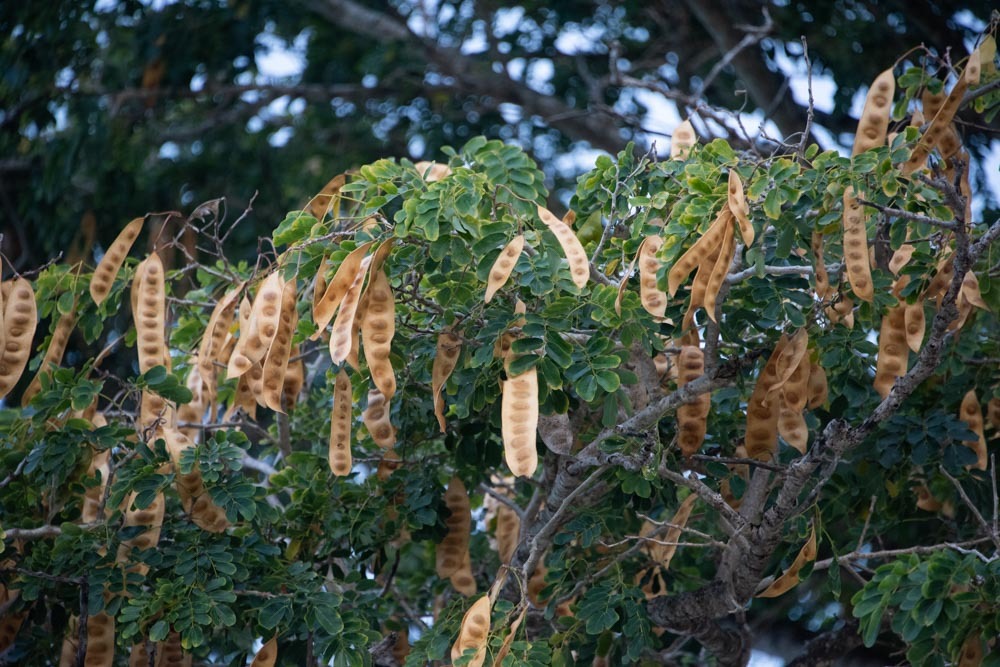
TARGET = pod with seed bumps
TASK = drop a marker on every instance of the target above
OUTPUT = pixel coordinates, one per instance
(150, 313)
(875, 117)
(692, 418)
(20, 320)
(915, 323)
(111, 263)
(579, 265)
(971, 413)
(53, 354)
(818, 388)
(276, 362)
(519, 422)
(822, 278)
(508, 532)
(333, 295)
(450, 553)
(378, 326)
(892, 350)
(449, 347)
(462, 579)
(789, 579)
(267, 655)
(340, 426)
(698, 252)
(344, 327)
(376, 419)
(653, 299)
(682, 141)
(761, 437)
(859, 272)
(474, 632)
(503, 266)
(737, 202)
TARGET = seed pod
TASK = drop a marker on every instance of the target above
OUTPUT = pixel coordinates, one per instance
(255, 378)
(762, 413)
(579, 265)
(503, 265)
(719, 270)
(971, 413)
(737, 202)
(654, 300)
(219, 322)
(100, 640)
(993, 413)
(875, 117)
(53, 354)
(191, 488)
(971, 653)
(939, 283)
(692, 418)
(901, 257)
(111, 263)
(295, 379)
(699, 287)
(662, 554)
(822, 278)
(462, 578)
(345, 276)
(170, 652)
(970, 290)
(682, 140)
(789, 579)
(792, 427)
(702, 248)
(276, 363)
(327, 199)
(151, 516)
(267, 655)
(915, 323)
(818, 389)
(455, 545)
(340, 426)
(508, 533)
(449, 347)
(474, 632)
(856, 258)
(519, 422)
(623, 283)
(741, 470)
(388, 464)
(377, 328)
(376, 418)
(99, 465)
(150, 313)
(892, 350)
(432, 171)
(344, 325)
(795, 391)
(20, 319)
(504, 649)
(265, 320)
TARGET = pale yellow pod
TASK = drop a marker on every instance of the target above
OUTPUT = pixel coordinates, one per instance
(719, 271)
(699, 287)
(682, 140)
(191, 488)
(276, 362)
(462, 579)
(267, 655)
(696, 254)
(795, 391)
(503, 266)
(20, 321)
(455, 545)
(327, 199)
(388, 464)
(761, 438)
(900, 258)
(432, 171)
(939, 283)
(266, 314)
(792, 427)
(343, 326)
(789, 579)
(737, 202)
(859, 271)
(818, 387)
(508, 533)
(971, 653)
(791, 357)
(892, 350)
(100, 464)
(875, 117)
(579, 265)
(378, 326)
(150, 313)
(449, 347)
(345, 276)
(255, 378)
(53, 354)
(915, 323)
(376, 419)
(295, 378)
(319, 283)
(111, 263)
(219, 322)
(519, 422)
(971, 413)
(692, 418)
(653, 299)
(970, 290)
(474, 632)
(340, 426)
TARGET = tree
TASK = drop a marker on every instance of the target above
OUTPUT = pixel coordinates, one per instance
(244, 479)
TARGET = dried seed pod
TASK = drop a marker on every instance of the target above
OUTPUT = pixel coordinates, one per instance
(791, 357)
(255, 378)
(579, 265)
(761, 437)
(794, 394)
(462, 578)
(504, 649)
(295, 378)
(892, 350)
(692, 418)
(663, 554)
(449, 347)
(219, 322)
(327, 199)
(508, 532)
(875, 118)
(699, 287)
(267, 655)
(100, 640)
(696, 254)
(971, 413)
(100, 465)
(455, 545)
(654, 300)
(340, 426)
(915, 323)
(823, 288)
(170, 652)
(432, 171)
(111, 263)
(971, 653)
(740, 470)
(939, 283)
(792, 427)
(970, 290)
(682, 140)
(737, 202)
(377, 328)
(789, 579)
(719, 270)
(276, 362)
(376, 418)
(993, 413)
(474, 632)
(856, 258)
(53, 354)
(151, 516)
(388, 464)
(841, 309)
(344, 326)
(818, 389)
(503, 265)
(327, 305)
(191, 488)
(150, 314)
(19, 320)
(901, 257)
(519, 422)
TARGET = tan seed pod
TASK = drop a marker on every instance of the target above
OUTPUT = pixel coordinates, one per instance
(191, 488)
(219, 322)
(892, 350)
(579, 265)
(664, 554)
(377, 329)
(971, 413)
(503, 266)
(692, 418)
(856, 257)
(841, 310)
(696, 254)
(295, 379)
(970, 290)
(761, 437)
(462, 579)
(450, 553)
(474, 632)
(255, 378)
(267, 655)
(791, 357)
(151, 516)
(170, 652)
(276, 362)
(376, 419)
(345, 276)
(817, 388)
(319, 283)
(504, 649)
(789, 579)
(901, 257)
(111, 263)
(99, 465)
(741, 470)
(795, 391)
(682, 140)
(699, 287)
(432, 171)
(388, 464)
(327, 199)
(150, 314)
(915, 323)
(719, 271)
(792, 427)
(519, 422)
(971, 653)
(100, 640)
(653, 299)
(344, 326)
(20, 320)
(875, 117)
(340, 426)
(449, 347)
(993, 413)
(53, 354)
(737, 202)
(508, 532)
(265, 318)
(939, 283)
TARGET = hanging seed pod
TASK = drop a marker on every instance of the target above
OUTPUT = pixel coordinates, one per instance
(100, 640)
(653, 299)
(875, 117)
(191, 488)
(817, 389)
(376, 419)
(327, 199)
(319, 284)
(474, 632)
(340, 426)
(150, 314)
(789, 579)
(111, 263)
(388, 464)
(20, 320)
(53, 354)
(971, 653)
(762, 412)
(740, 470)
(794, 394)
(295, 379)
(276, 362)
(719, 271)
(623, 283)
(692, 418)
(449, 347)
(856, 257)
(453, 548)
(508, 533)
(993, 413)
(152, 517)
(519, 422)
(579, 265)
(170, 652)
(823, 289)
(900, 258)
(970, 290)
(939, 283)
(462, 578)
(504, 649)
(971, 413)
(696, 254)
(791, 357)
(665, 553)
(503, 266)
(915, 323)
(377, 328)
(267, 655)
(892, 350)
(344, 326)
(737, 203)
(682, 140)
(699, 288)
(792, 427)
(345, 276)
(214, 341)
